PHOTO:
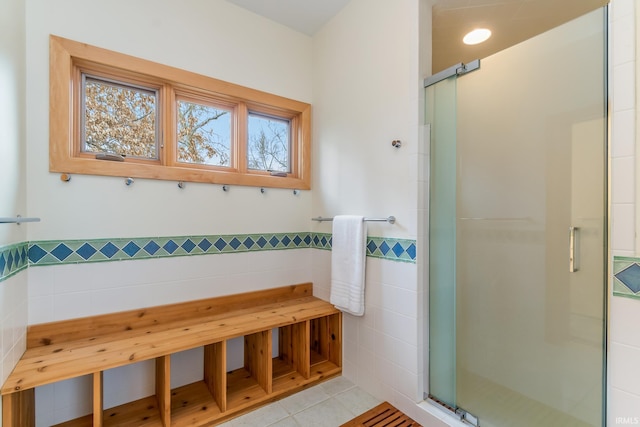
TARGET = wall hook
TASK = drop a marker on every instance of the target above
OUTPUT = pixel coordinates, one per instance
(296, 192)
(396, 143)
(128, 181)
(65, 177)
(262, 190)
(180, 184)
(225, 188)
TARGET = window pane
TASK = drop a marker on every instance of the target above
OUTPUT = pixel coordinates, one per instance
(119, 119)
(268, 145)
(204, 134)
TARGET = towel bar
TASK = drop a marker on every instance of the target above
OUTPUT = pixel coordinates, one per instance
(389, 219)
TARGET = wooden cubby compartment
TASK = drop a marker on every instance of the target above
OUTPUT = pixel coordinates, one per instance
(326, 344)
(307, 331)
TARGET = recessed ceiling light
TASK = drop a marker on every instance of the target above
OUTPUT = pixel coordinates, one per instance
(476, 36)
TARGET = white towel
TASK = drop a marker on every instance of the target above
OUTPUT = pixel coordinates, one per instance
(348, 255)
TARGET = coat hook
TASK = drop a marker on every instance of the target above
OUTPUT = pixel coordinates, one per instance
(65, 177)
(180, 184)
(128, 181)
(262, 190)
(225, 188)
(396, 143)
(296, 192)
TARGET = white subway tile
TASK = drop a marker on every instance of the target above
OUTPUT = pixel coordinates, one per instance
(623, 180)
(40, 309)
(624, 321)
(624, 367)
(40, 282)
(621, 9)
(367, 338)
(623, 40)
(72, 305)
(623, 227)
(623, 78)
(624, 408)
(623, 133)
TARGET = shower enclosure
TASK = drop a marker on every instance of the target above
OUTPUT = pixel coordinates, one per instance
(517, 251)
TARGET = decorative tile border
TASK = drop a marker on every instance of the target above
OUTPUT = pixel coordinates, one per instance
(54, 252)
(100, 250)
(626, 277)
(388, 248)
(13, 258)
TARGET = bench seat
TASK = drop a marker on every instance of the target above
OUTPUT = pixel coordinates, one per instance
(309, 334)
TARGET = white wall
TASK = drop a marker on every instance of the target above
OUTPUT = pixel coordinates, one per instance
(214, 38)
(368, 92)
(13, 290)
(211, 37)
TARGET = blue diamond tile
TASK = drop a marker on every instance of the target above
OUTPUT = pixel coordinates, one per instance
(323, 241)
(384, 248)
(307, 239)
(397, 249)
(188, 245)
(286, 240)
(204, 244)
(297, 240)
(274, 241)
(61, 251)
(170, 246)
(220, 244)
(9, 261)
(261, 242)
(131, 249)
(372, 247)
(331, 241)
(316, 240)
(36, 253)
(151, 247)
(248, 242)
(411, 250)
(3, 262)
(23, 255)
(86, 251)
(109, 250)
(630, 277)
(235, 243)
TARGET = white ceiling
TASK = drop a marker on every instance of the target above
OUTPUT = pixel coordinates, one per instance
(511, 21)
(305, 16)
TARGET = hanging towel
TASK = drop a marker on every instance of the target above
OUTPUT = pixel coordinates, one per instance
(348, 255)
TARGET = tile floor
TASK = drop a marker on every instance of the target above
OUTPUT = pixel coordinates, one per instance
(328, 404)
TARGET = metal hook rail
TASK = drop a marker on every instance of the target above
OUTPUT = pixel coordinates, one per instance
(389, 219)
(17, 220)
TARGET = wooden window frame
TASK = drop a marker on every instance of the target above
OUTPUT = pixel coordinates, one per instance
(69, 59)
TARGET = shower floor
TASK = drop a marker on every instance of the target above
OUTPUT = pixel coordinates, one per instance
(502, 406)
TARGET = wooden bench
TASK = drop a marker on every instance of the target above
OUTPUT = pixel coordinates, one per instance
(309, 351)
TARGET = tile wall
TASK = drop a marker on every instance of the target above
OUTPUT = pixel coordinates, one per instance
(624, 314)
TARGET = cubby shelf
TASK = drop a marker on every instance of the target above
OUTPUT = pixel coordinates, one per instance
(308, 351)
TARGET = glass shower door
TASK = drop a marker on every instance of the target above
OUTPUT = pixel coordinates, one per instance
(523, 296)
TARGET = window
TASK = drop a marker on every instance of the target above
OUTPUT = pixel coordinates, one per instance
(116, 115)
(119, 119)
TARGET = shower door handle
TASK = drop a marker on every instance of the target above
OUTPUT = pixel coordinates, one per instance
(573, 231)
